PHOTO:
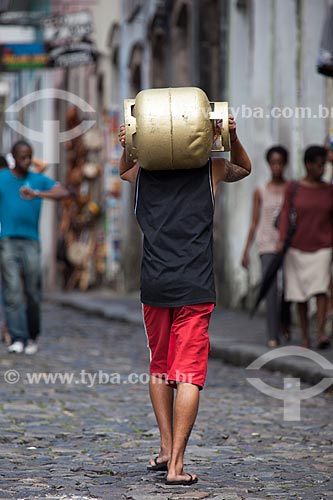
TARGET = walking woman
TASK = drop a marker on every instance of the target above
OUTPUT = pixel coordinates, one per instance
(308, 261)
(267, 203)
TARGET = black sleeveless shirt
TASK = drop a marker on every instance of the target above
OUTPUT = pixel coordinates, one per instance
(175, 210)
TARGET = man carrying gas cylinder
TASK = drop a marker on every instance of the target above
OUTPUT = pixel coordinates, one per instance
(175, 209)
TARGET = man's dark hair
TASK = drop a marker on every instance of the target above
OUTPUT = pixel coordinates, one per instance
(19, 144)
(3, 162)
(279, 150)
(313, 152)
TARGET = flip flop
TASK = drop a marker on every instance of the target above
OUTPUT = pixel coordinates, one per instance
(159, 466)
(183, 482)
(323, 344)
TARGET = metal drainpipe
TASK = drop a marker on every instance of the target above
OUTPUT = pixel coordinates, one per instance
(299, 81)
(223, 281)
(224, 47)
(4, 92)
(330, 95)
(194, 49)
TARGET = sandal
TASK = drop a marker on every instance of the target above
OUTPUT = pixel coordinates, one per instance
(158, 466)
(324, 343)
(328, 327)
(286, 334)
(183, 482)
(272, 343)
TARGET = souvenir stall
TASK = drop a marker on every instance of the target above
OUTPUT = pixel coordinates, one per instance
(81, 249)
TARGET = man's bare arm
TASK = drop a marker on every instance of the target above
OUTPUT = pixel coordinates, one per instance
(234, 172)
(128, 170)
(56, 193)
(239, 165)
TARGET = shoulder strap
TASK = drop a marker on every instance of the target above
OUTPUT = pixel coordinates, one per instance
(294, 186)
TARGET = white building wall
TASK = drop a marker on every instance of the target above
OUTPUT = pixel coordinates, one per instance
(313, 84)
(105, 14)
(46, 110)
(286, 84)
(132, 34)
(246, 90)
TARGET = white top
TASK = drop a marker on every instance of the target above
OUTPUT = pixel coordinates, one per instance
(271, 203)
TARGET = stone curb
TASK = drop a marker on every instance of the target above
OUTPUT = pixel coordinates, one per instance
(238, 355)
(118, 313)
(243, 355)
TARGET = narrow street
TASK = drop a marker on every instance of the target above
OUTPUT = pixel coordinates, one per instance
(91, 435)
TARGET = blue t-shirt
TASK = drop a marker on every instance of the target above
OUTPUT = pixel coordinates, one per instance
(19, 218)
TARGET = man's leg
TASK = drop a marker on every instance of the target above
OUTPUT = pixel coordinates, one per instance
(161, 396)
(330, 298)
(188, 369)
(157, 322)
(322, 301)
(273, 320)
(304, 322)
(285, 318)
(13, 301)
(32, 285)
(186, 410)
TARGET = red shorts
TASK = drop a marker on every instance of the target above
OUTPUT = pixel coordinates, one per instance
(179, 342)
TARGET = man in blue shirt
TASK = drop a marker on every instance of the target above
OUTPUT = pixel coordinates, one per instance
(21, 194)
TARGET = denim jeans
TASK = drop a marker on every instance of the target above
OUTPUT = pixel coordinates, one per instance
(21, 287)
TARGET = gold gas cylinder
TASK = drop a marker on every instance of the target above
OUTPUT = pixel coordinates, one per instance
(173, 128)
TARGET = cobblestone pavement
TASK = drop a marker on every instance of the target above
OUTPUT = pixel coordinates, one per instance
(80, 440)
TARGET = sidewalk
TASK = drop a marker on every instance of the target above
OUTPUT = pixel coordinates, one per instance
(235, 338)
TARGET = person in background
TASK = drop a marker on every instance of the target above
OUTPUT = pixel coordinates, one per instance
(308, 261)
(267, 203)
(21, 194)
(37, 166)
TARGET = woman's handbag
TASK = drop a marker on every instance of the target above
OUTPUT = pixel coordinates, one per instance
(292, 217)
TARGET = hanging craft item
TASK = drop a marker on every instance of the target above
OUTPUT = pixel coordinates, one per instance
(93, 140)
(75, 176)
(78, 252)
(91, 170)
(81, 214)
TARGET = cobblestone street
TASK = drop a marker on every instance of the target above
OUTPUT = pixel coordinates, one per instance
(90, 439)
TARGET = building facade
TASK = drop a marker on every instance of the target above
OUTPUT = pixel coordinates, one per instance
(259, 55)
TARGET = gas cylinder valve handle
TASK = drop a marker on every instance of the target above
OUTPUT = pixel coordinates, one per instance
(130, 130)
(221, 112)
